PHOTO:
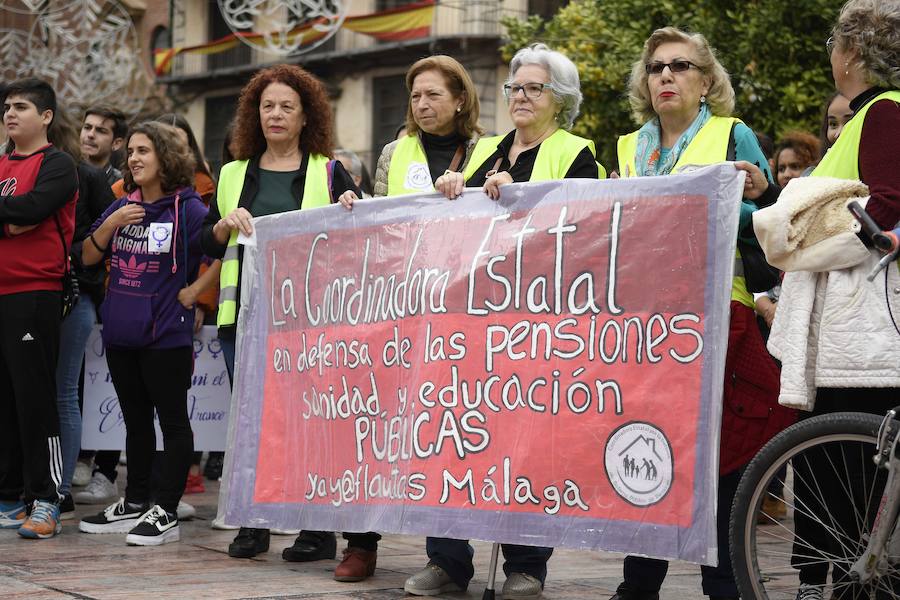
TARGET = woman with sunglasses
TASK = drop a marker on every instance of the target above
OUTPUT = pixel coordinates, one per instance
(543, 95)
(683, 99)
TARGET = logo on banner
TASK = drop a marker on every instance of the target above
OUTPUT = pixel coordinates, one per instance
(639, 463)
(418, 177)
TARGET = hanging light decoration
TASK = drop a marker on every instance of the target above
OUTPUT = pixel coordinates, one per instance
(284, 27)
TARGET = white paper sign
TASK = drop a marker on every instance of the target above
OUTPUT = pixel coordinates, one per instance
(208, 399)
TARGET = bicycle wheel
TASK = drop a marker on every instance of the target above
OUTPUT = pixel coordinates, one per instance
(822, 470)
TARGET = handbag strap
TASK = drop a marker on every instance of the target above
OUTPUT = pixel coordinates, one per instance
(458, 157)
(62, 239)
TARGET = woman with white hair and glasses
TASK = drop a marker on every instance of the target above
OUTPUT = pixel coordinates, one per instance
(544, 96)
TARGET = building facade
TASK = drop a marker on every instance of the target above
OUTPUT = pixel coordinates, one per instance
(364, 76)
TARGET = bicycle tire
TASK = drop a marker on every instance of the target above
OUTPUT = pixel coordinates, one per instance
(829, 436)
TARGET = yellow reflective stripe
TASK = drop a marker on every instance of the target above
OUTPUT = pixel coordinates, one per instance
(842, 159)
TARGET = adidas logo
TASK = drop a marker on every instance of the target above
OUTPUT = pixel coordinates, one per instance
(27, 338)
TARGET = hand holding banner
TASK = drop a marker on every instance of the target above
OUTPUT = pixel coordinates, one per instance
(542, 370)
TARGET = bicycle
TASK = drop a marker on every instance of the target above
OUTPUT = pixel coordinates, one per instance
(842, 494)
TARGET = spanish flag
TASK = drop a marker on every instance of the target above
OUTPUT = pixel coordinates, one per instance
(407, 22)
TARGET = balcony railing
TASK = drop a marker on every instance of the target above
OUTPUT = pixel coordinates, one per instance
(452, 18)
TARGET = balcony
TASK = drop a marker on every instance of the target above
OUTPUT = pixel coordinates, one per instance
(462, 21)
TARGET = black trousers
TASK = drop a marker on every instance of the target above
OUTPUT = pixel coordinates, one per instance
(148, 379)
(648, 574)
(30, 454)
(815, 479)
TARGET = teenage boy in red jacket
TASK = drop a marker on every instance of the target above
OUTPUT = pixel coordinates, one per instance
(38, 190)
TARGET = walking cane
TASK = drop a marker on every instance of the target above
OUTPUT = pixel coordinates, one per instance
(492, 573)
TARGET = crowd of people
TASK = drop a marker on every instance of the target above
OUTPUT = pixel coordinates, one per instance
(153, 248)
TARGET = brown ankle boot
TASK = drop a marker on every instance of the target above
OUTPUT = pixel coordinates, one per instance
(356, 565)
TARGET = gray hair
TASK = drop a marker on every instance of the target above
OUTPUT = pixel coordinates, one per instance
(355, 162)
(564, 82)
(872, 28)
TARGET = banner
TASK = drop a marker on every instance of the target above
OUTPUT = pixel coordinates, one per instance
(543, 370)
(103, 427)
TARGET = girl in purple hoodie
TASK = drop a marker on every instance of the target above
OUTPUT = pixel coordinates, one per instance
(152, 238)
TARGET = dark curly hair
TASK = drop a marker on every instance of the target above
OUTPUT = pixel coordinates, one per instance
(176, 162)
(317, 136)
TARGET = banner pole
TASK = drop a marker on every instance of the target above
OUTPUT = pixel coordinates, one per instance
(492, 573)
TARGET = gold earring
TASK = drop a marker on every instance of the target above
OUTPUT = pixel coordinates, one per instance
(847, 68)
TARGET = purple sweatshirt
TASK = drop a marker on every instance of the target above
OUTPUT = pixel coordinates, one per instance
(149, 264)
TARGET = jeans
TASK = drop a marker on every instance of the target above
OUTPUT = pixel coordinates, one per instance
(647, 574)
(455, 557)
(73, 336)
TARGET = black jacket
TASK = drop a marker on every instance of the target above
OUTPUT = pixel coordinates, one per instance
(94, 196)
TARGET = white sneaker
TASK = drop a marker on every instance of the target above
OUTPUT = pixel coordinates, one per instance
(185, 511)
(82, 474)
(285, 531)
(155, 527)
(100, 490)
(219, 523)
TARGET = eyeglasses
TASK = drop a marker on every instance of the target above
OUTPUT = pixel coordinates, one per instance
(532, 90)
(676, 66)
(829, 44)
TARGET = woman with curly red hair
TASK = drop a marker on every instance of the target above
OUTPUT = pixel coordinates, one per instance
(794, 153)
(282, 143)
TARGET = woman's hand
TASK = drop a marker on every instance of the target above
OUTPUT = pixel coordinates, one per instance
(131, 213)
(347, 199)
(199, 315)
(238, 219)
(19, 229)
(766, 309)
(756, 183)
(187, 296)
(450, 184)
(493, 183)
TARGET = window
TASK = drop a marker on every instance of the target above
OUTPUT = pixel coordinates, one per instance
(545, 9)
(218, 28)
(159, 40)
(219, 114)
(389, 101)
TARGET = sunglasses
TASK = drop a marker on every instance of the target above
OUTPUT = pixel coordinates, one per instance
(676, 66)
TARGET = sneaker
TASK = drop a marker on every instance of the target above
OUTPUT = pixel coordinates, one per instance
(43, 522)
(430, 581)
(12, 514)
(219, 523)
(194, 484)
(100, 490)
(155, 527)
(82, 475)
(120, 517)
(809, 591)
(185, 511)
(285, 531)
(67, 508)
(249, 542)
(519, 586)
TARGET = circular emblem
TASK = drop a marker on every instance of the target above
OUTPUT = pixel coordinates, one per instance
(639, 463)
(418, 177)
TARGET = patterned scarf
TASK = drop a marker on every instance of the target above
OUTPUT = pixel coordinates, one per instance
(646, 157)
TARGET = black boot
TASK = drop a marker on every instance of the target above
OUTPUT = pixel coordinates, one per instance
(312, 545)
(249, 542)
(624, 592)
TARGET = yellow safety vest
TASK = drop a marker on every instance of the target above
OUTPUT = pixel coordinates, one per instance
(408, 172)
(842, 159)
(708, 147)
(555, 155)
(228, 194)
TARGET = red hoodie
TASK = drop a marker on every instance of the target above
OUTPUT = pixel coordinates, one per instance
(36, 189)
